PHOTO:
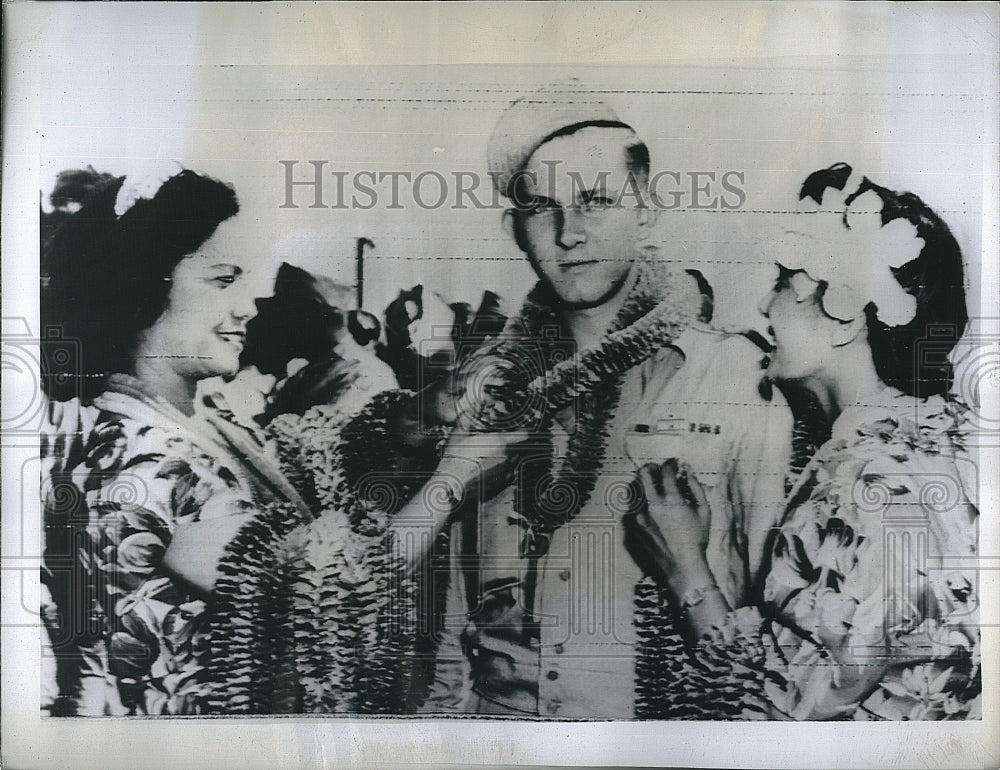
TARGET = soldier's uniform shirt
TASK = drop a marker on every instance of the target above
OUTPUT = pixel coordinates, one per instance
(572, 652)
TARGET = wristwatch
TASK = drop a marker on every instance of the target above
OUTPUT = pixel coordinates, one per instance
(695, 596)
(454, 498)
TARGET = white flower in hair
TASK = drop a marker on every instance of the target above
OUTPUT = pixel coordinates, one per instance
(144, 183)
(848, 248)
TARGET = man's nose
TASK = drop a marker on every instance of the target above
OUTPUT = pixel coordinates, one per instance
(572, 230)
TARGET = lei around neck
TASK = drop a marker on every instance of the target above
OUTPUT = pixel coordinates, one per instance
(531, 372)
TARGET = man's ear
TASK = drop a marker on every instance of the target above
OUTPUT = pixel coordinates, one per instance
(507, 221)
(846, 333)
(514, 230)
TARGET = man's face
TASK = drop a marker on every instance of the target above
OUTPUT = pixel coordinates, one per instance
(580, 218)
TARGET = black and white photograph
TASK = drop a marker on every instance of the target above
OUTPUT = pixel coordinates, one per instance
(495, 384)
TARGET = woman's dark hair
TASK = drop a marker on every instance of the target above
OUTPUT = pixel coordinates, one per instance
(71, 189)
(912, 357)
(109, 276)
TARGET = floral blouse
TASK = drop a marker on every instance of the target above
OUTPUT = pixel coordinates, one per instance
(869, 608)
(128, 637)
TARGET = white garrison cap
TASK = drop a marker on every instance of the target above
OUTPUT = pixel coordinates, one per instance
(533, 120)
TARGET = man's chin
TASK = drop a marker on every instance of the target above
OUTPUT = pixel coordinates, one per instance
(588, 300)
(583, 304)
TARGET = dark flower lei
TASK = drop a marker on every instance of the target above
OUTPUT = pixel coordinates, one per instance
(538, 377)
(309, 599)
(317, 614)
(536, 380)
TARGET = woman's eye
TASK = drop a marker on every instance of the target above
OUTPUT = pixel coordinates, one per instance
(225, 279)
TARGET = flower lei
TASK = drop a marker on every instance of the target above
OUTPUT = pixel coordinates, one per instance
(318, 616)
(250, 652)
(529, 376)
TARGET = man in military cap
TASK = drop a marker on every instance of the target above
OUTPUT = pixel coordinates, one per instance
(549, 603)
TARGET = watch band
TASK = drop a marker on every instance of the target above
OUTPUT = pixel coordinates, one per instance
(695, 596)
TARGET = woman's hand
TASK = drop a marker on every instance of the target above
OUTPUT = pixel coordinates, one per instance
(673, 530)
(197, 548)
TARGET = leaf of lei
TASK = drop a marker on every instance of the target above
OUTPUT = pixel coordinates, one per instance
(660, 306)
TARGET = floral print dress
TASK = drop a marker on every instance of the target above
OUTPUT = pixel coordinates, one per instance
(128, 636)
(868, 608)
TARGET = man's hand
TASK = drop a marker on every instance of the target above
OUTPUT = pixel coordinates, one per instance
(676, 502)
(474, 467)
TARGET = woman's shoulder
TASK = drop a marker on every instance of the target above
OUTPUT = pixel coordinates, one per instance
(904, 425)
(901, 451)
(164, 457)
(137, 439)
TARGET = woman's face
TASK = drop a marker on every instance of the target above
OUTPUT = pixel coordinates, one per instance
(213, 294)
(799, 328)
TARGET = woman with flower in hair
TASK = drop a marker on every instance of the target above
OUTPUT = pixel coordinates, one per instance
(155, 277)
(175, 540)
(867, 605)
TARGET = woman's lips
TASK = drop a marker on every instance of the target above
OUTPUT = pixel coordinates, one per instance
(234, 338)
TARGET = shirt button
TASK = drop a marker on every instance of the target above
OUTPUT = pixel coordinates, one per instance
(564, 575)
(559, 649)
(552, 675)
